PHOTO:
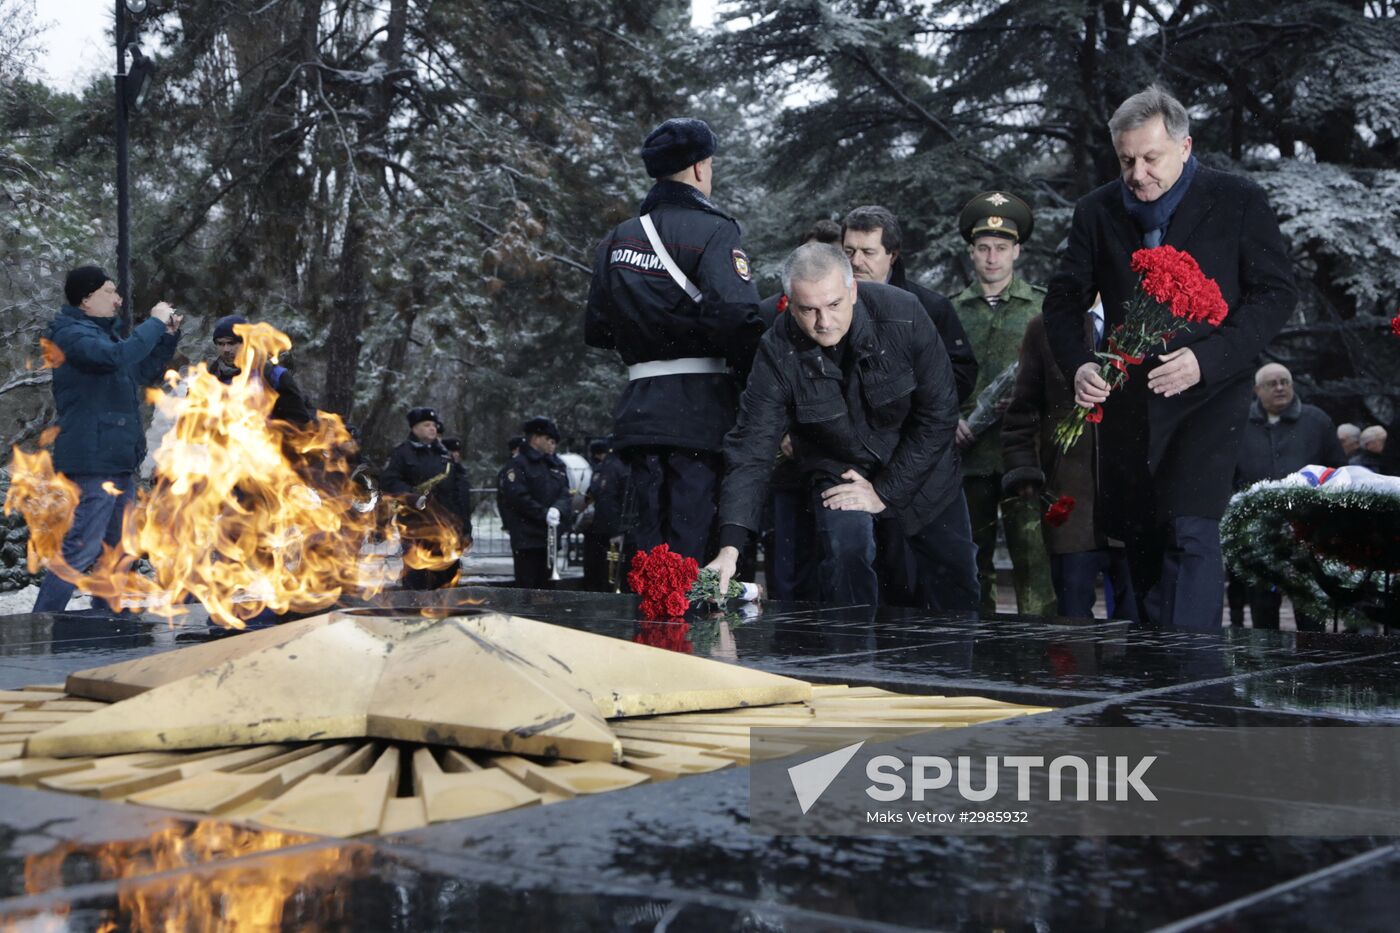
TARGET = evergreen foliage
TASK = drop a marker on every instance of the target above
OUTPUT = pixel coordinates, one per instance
(412, 189)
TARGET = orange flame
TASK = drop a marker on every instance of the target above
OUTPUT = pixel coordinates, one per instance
(252, 894)
(47, 501)
(244, 513)
(52, 355)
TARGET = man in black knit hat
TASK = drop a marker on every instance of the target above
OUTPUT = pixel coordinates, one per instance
(97, 390)
(673, 294)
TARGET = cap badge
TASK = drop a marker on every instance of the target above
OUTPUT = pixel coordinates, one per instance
(994, 222)
(997, 199)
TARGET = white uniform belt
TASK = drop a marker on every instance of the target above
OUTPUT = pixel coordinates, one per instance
(684, 366)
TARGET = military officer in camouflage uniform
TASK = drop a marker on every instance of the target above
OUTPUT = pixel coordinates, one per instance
(994, 311)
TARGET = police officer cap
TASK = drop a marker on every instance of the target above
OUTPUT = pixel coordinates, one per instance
(223, 327)
(540, 426)
(452, 444)
(515, 443)
(677, 144)
(417, 415)
(599, 445)
(85, 280)
(996, 213)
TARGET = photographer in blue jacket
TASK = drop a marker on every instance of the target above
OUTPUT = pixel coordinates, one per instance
(97, 389)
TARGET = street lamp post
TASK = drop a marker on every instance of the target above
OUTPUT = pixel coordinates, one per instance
(123, 194)
(129, 84)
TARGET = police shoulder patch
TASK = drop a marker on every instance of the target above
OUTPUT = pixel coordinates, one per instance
(741, 264)
(510, 476)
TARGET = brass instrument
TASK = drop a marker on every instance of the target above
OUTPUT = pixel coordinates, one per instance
(615, 564)
(552, 552)
(426, 487)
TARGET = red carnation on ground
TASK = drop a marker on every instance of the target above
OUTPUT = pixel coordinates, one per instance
(662, 578)
(1059, 511)
(1171, 290)
(1395, 324)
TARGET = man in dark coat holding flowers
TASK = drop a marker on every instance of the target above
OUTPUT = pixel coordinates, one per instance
(1169, 437)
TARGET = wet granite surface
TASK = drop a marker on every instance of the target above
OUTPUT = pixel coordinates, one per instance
(680, 856)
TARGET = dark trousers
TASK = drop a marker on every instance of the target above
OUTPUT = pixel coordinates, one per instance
(595, 563)
(1076, 579)
(791, 554)
(96, 521)
(943, 553)
(677, 496)
(846, 557)
(532, 570)
(896, 566)
(1184, 586)
(1236, 596)
(946, 561)
(1264, 605)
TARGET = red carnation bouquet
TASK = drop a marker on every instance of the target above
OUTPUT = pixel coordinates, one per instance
(662, 578)
(669, 583)
(1171, 290)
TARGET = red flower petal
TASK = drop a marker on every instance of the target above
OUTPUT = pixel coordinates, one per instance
(1095, 415)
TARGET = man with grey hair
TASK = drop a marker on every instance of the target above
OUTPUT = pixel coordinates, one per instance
(1372, 447)
(1282, 435)
(1169, 439)
(861, 382)
(1349, 436)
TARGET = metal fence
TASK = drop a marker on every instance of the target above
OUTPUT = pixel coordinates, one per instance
(489, 538)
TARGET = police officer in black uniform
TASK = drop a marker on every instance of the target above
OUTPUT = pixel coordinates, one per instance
(607, 492)
(533, 485)
(432, 493)
(673, 293)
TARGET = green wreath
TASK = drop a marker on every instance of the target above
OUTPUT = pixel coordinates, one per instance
(1333, 552)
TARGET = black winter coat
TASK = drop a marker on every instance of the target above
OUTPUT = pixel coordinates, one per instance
(413, 463)
(608, 490)
(1165, 457)
(635, 308)
(530, 484)
(1302, 435)
(945, 318)
(892, 419)
(1390, 456)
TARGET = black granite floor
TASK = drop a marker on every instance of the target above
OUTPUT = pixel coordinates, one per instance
(680, 856)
